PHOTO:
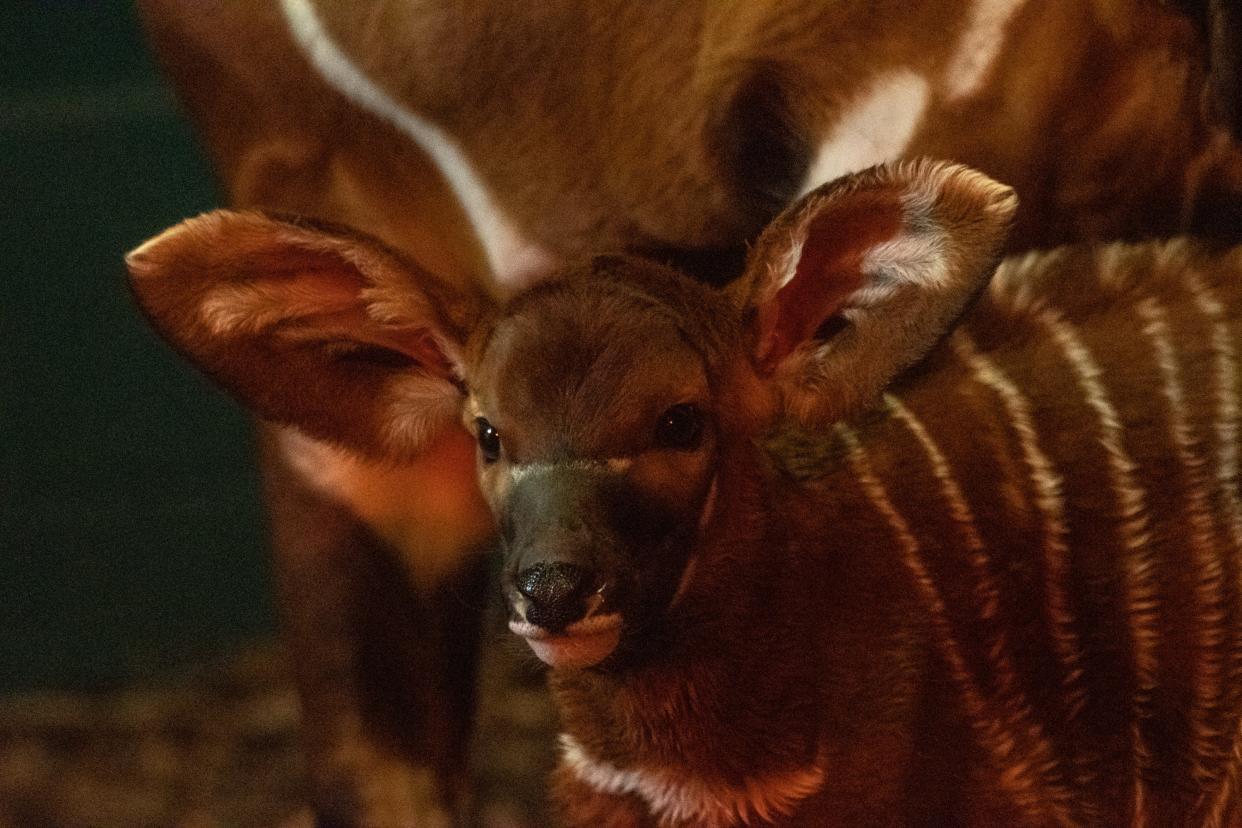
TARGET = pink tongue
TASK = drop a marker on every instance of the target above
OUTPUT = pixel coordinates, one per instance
(583, 650)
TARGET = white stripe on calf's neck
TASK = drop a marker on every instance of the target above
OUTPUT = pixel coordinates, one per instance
(676, 796)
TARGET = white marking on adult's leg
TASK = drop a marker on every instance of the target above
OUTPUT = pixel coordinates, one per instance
(1141, 595)
(978, 47)
(676, 796)
(514, 261)
(1209, 667)
(876, 127)
(1027, 771)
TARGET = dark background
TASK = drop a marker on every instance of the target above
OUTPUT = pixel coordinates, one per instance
(130, 528)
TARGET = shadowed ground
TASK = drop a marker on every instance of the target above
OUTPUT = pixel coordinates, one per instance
(218, 746)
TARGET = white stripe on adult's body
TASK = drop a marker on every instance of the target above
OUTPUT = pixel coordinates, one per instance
(875, 127)
(978, 47)
(514, 261)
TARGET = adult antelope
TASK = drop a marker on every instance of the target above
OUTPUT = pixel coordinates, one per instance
(811, 550)
(490, 141)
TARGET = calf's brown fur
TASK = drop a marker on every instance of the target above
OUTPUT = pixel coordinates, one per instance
(1006, 594)
(808, 551)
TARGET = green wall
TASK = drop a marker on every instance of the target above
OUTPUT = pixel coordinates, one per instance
(130, 530)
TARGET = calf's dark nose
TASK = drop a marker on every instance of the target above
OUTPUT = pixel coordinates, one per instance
(556, 593)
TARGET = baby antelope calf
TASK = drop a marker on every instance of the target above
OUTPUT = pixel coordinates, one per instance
(862, 540)
(783, 578)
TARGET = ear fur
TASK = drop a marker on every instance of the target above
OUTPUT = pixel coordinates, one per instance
(310, 325)
(858, 279)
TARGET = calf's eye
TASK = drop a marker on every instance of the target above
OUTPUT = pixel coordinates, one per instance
(489, 440)
(680, 427)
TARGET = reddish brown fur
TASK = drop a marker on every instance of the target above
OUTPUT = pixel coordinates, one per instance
(605, 126)
(609, 125)
(806, 634)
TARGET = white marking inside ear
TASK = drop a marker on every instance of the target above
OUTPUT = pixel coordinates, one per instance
(788, 266)
(919, 252)
(909, 259)
(251, 308)
(677, 797)
(978, 47)
(230, 308)
(514, 260)
(876, 127)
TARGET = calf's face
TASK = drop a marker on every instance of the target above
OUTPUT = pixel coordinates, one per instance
(597, 428)
(607, 403)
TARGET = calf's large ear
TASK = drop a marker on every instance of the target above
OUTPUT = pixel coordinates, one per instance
(859, 278)
(311, 325)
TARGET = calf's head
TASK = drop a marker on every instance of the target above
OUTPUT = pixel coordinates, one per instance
(609, 402)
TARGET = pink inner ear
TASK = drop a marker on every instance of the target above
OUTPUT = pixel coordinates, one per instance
(828, 272)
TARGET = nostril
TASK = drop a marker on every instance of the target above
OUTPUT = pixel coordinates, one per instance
(552, 583)
(556, 592)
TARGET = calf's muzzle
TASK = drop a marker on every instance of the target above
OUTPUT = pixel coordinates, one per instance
(556, 593)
